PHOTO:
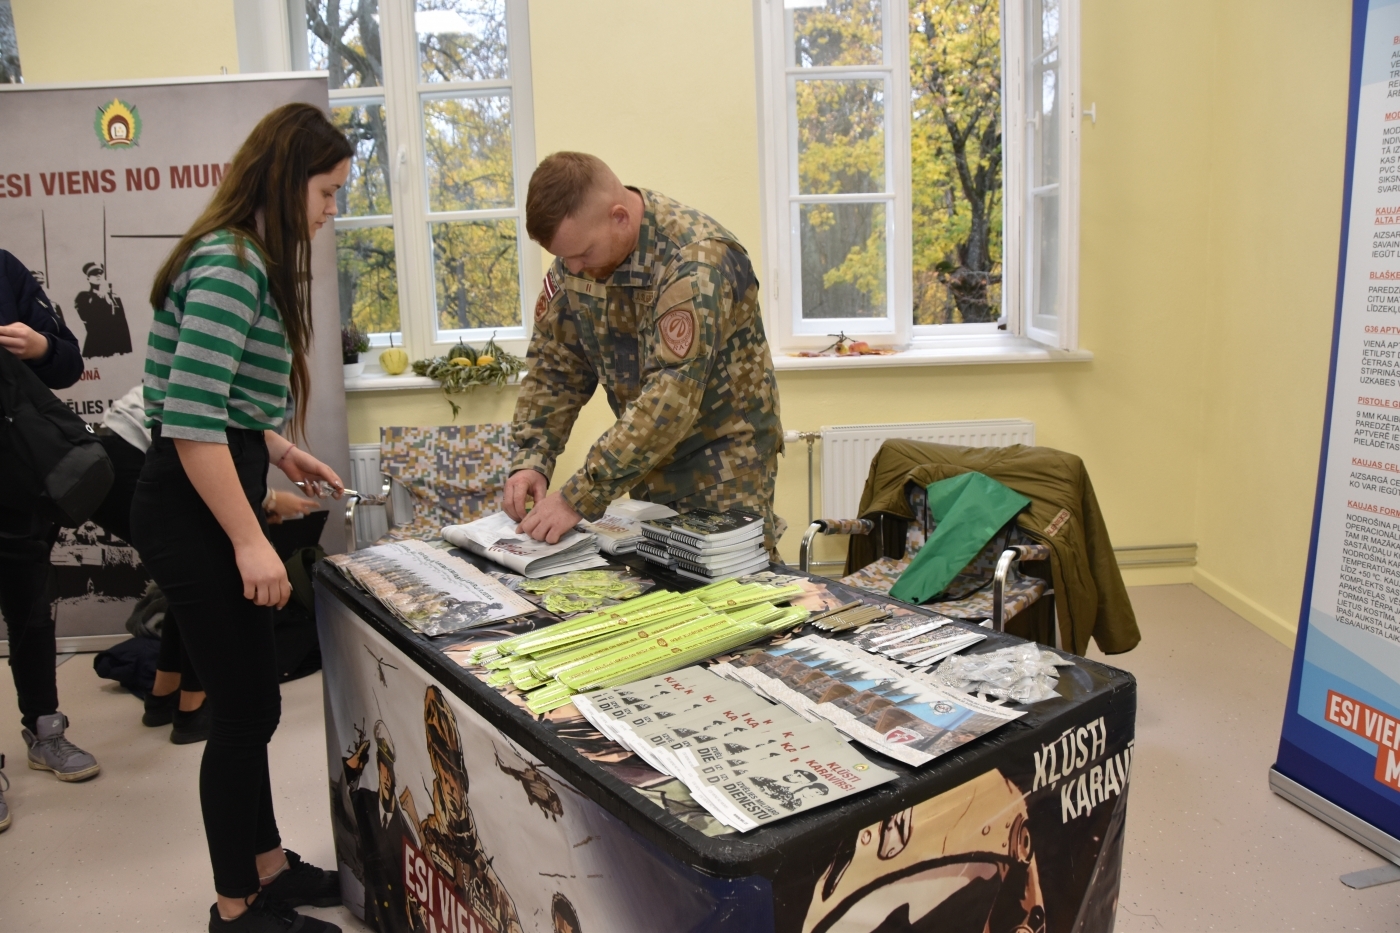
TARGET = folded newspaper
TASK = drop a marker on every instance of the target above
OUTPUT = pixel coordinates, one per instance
(495, 538)
(875, 703)
(745, 760)
(428, 589)
(619, 531)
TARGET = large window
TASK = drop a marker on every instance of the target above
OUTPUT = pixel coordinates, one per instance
(436, 96)
(913, 196)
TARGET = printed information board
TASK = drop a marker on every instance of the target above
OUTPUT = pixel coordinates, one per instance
(1340, 751)
(97, 185)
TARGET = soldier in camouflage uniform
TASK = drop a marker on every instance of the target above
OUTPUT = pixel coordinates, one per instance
(671, 329)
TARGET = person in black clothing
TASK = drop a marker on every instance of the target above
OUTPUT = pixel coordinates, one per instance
(43, 281)
(103, 316)
(32, 331)
(383, 829)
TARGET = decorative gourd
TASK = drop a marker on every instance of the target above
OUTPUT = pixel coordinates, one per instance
(393, 360)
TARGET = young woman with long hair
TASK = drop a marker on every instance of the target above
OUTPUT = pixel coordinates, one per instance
(226, 353)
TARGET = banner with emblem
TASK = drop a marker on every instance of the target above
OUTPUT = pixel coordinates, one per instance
(97, 185)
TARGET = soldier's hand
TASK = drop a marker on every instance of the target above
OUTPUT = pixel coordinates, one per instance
(524, 485)
(550, 519)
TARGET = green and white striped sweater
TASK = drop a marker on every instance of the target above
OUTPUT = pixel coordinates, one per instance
(217, 356)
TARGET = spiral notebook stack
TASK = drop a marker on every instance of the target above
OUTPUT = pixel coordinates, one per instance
(704, 545)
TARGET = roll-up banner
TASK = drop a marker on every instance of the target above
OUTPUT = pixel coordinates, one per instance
(97, 184)
(1339, 756)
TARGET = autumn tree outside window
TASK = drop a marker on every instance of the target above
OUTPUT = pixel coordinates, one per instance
(921, 167)
(435, 95)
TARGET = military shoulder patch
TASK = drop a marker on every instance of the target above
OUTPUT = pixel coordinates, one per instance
(541, 307)
(551, 287)
(677, 328)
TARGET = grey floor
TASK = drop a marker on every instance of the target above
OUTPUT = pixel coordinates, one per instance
(1208, 847)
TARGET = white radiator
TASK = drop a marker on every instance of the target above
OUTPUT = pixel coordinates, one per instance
(371, 522)
(848, 449)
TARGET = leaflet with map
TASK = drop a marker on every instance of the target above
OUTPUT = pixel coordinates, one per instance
(428, 589)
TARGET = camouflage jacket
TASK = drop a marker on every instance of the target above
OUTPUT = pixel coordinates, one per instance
(675, 337)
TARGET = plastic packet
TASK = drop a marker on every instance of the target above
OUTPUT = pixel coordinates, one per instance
(1022, 673)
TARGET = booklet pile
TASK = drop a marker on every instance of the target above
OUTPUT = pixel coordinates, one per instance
(429, 590)
(619, 531)
(495, 538)
(704, 545)
(642, 637)
(744, 759)
(878, 705)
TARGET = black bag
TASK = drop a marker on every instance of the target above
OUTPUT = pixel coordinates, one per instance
(51, 463)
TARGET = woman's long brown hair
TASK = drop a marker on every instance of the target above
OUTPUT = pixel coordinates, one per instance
(269, 174)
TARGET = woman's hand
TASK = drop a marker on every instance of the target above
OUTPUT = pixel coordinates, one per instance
(287, 505)
(301, 467)
(264, 576)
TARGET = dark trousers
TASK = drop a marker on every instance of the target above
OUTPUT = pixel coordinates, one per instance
(229, 641)
(114, 516)
(26, 602)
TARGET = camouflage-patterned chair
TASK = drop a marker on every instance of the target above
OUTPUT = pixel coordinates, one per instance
(451, 474)
(992, 586)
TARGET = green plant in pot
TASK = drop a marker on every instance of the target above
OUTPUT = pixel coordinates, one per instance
(352, 344)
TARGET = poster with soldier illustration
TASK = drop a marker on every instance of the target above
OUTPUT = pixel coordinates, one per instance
(441, 823)
(97, 185)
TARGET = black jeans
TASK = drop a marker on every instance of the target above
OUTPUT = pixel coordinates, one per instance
(230, 642)
(114, 515)
(26, 602)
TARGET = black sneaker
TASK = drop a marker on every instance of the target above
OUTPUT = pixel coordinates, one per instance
(302, 884)
(267, 916)
(160, 711)
(191, 727)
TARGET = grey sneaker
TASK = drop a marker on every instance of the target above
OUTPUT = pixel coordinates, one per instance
(51, 751)
(4, 807)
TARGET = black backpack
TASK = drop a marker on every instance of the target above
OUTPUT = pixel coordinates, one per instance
(52, 466)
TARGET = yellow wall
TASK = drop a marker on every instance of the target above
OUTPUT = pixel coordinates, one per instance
(108, 40)
(1277, 160)
(1210, 209)
(1133, 414)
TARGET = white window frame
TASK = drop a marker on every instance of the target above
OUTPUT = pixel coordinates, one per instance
(941, 342)
(403, 95)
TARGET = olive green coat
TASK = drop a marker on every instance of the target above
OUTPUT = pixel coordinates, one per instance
(1064, 514)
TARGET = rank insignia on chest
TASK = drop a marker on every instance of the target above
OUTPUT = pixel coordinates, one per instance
(677, 328)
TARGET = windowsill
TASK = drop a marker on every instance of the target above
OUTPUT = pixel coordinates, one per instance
(962, 353)
(375, 379)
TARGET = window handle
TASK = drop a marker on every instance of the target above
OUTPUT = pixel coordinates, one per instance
(398, 166)
(1091, 112)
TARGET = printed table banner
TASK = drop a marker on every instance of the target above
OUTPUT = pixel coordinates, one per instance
(97, 185)
(444, 822)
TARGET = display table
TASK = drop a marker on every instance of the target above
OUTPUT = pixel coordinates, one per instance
(455, 809)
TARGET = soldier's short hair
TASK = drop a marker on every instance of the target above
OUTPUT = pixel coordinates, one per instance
(557, 189)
